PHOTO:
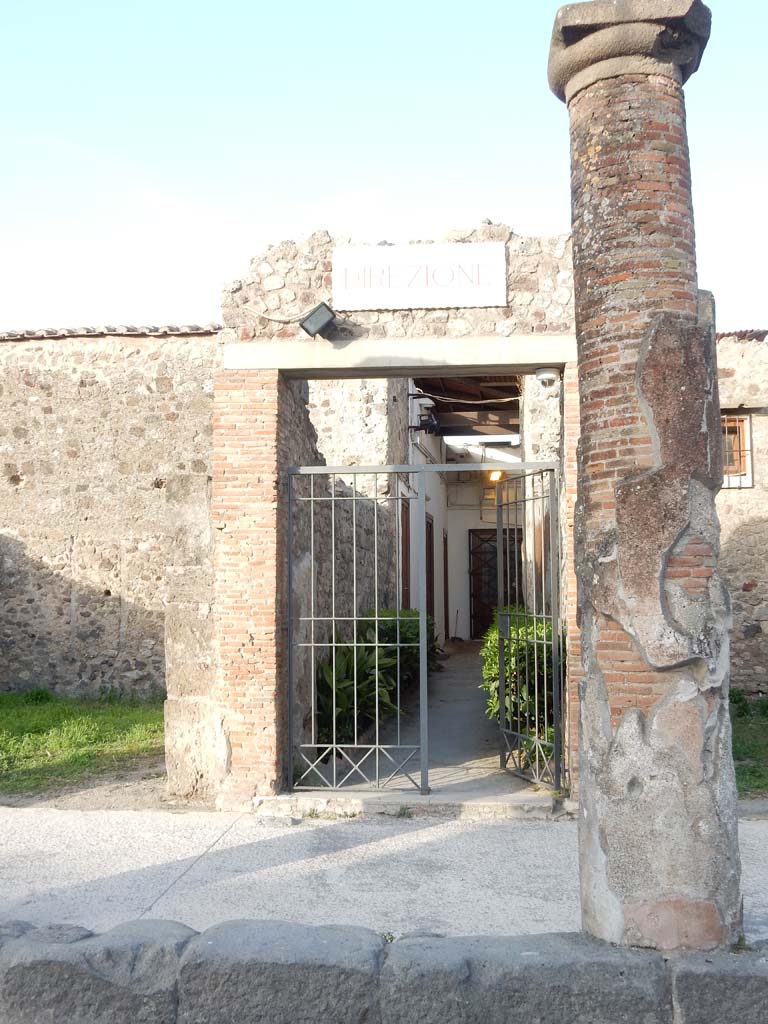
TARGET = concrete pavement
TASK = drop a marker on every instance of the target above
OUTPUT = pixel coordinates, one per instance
(393, 875)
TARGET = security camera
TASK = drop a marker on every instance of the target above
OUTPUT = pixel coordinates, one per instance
(547, 375)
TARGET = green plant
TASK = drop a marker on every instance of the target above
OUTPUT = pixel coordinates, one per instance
(528, 668)
(38, 697)
(366, 675)
(749, 718)
(740, 706)
(404, 812)
(528, 673)
(351, 688)
(48, 741)
(399, 630)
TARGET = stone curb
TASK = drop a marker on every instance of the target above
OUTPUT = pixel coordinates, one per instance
(161, 972)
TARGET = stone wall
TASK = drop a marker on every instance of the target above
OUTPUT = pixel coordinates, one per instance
(166, 973)
(290, 278)
(743, 379)
(107, 560)
(104, 504)
(360, 422)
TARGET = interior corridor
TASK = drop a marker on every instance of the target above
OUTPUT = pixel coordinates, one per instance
(463, 741)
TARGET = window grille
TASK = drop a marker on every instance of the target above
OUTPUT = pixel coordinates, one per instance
(737, 450)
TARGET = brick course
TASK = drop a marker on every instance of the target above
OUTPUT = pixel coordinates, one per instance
(634, 257)
(260, 427)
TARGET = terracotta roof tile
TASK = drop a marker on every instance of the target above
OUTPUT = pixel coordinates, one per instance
(103, 332)
(743, 335)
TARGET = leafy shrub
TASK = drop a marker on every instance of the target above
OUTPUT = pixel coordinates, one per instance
(408, 641)
(743, 706)
(353, 694)
(38, 697)
(362, 662)
(524, 666)
(740, 707)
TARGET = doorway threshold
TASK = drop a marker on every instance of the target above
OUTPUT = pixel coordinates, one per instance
(531, 802)
(465, 778)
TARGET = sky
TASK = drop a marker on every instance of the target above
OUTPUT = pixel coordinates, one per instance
(151, 148)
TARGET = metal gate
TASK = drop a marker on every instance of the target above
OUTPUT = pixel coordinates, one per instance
(359, 632)
(531, 663)
(358, 654)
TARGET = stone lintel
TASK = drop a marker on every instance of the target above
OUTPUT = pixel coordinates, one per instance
(607, 38)
(408, 357)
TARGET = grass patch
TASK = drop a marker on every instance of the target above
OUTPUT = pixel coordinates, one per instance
(750, 744)
(48, 741)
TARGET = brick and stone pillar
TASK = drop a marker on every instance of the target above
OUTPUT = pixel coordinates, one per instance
(250, 563)
(658, 831)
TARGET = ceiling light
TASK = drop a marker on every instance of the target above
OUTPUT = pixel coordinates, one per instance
(547, 375)
(496, 476)
(461, 440)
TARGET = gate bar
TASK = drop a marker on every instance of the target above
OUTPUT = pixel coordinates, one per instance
(511, 468)
(423, 660)
(554, 587)
(288, 762)
(500, 592)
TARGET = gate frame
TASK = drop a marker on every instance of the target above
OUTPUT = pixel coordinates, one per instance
(419, 470)
(550, 502)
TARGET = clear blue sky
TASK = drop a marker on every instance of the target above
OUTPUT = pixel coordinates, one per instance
(153, 146)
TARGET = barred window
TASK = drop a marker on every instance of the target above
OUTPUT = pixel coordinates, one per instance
(737, 450)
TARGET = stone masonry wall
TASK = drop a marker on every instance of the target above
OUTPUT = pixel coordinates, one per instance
(743, 378)
(360, 422)
(104, 506)
(228, 734)
(290, 278)
(107, 566)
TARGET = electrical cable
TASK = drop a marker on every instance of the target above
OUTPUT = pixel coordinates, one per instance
(466, 401)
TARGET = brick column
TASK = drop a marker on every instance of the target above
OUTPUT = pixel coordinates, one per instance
(658, 834)
(250, 562)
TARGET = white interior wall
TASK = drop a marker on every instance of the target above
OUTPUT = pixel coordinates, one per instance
(436, 507)
(460, 522)
(457, 522)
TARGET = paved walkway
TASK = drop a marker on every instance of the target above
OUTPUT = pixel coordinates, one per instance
(393, 875)
(463, 741)
(463, 744)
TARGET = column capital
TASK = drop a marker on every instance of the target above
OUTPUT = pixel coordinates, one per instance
(607, 38)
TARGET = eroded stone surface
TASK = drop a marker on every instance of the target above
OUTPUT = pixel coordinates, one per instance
(604, 39)
(65, 973)
(659, 859)
(160, 972)
(282, 973)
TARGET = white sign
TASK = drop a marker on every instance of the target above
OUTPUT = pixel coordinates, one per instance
(442, 276)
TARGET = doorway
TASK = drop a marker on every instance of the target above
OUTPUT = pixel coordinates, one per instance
(364, 677)
(484, 576)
